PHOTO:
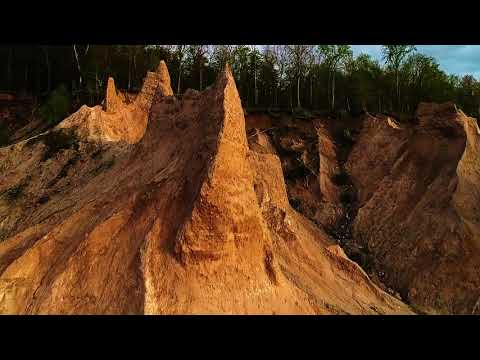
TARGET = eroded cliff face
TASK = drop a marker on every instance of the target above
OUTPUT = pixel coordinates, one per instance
(295, 141)
(159, 206)
(402, 199)
(418, 197)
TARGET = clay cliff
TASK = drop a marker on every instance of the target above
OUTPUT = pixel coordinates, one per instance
(401, 198)
(418, 199)
(160, 206)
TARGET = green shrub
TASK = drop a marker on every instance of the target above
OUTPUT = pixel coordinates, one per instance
(55, 141)
(302, 113)
(57, 105)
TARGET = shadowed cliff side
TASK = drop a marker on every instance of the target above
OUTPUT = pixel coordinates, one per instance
(418, 202)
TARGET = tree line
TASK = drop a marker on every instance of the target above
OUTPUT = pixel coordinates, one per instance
(314, 77)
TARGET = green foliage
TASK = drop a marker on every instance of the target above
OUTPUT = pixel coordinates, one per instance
(395, 54)
(317, 77)
(364, 86)
(57, 105)
(223, 54)
(55, 141)
(334, 54)
(302, 113)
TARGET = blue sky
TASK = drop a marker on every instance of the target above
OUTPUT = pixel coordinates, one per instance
(453, 59)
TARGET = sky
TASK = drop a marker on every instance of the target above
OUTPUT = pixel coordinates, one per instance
(453, 59)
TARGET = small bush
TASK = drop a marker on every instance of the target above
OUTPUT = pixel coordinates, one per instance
(58, 140)
(302, 113)
(56, 107)
(274, 114)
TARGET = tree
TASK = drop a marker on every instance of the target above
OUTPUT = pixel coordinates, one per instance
(221, 55)
(299, 59)
(197, 59)
(312, 61)
(79, 54)
(269, 74)
(334, 56)
(469, 94)
(240, 69)
(130, 52)
(422, 79)
(394, 55)
(255, 61)
(9, 68)
(49, 72)
(179, 52)
(365, 82)
(280, 55)
(279, 75)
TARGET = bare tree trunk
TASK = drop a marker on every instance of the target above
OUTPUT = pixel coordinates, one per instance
(78, 66)
(9, 69)
(105, 59)
(333, 91)
(298, 91)
(45, 51)
(247, 97)
(398, 89)
(129, 68)
(179, 78)
(290, 96)
(26, 77)
(329, 89)
(256, 90)
(96, 82)
(134, 66)
(311, 91)
(276, 94)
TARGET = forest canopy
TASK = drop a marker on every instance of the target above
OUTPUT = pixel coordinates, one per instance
(314, 77)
